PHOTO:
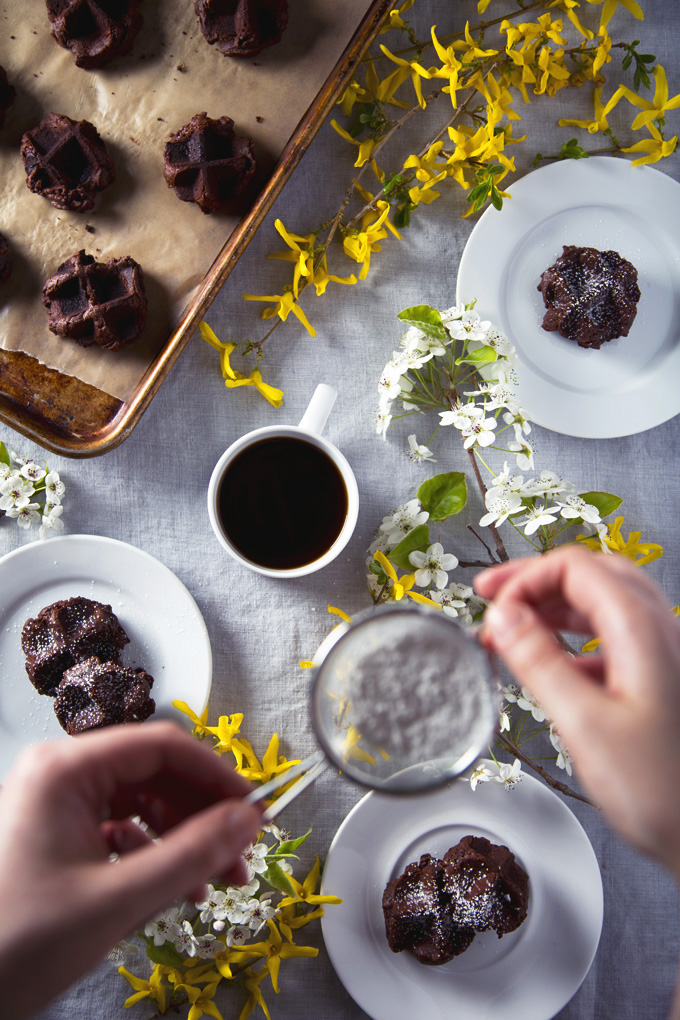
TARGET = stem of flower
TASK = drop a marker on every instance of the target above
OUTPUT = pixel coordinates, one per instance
(500, 547)
(556, 784)
(492, 558)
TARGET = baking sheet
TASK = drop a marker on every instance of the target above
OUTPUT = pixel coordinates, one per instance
(136, 103)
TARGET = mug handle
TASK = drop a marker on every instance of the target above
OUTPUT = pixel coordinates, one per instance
(320, 406)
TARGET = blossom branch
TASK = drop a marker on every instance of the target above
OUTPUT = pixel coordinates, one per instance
(500, 546)
(555, 784)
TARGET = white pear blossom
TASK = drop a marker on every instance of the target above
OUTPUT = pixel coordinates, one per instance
(524, 700)
(500, 506)
(26, 516)
(382, 422)
(524, 453)
(575, 506)
(432, 566)
(15, 492)
(404, 519)
(184, 940)
(164, 928)
(547, 483)
(504, 722)
(5, 471)
(418, 452)
(472, 424)
(510, 775)
(237, 935)
(254, 857)
(497, 772)
(54, 487)
(51, 519)
(208, 946)
(261, 911)
(537, 517)
(213, 907)
(519, 422)
(564, 759)
(452, 598)
(32, 471)
(482, 774)
(500, 343)
(449, 315)
(468, 327)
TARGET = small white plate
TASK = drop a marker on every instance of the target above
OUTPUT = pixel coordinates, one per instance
(529, 974)
(168, 637)
(630, 384)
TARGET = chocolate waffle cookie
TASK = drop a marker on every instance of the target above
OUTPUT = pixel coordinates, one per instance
(5, 260)
(7, 96)
(435, 907)
(417, 915)
(591, 296)
(241, 28)
(94, 30)
(65, 633)
(207, 163)
(94, 694)
(488, 888)
(67, 162)
(100, 303)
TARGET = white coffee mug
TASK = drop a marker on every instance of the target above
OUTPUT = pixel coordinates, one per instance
(310, 428)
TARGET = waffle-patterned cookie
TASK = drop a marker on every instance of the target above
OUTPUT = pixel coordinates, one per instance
(100, 303)
(67, 162)
(65, 633)
(7, 96)
(487, 886)
(94, 30)
(417, 915)
(5, 260)
(207, 163)
(591, 296)
(435, 907)
(95, 694)
(241, 28)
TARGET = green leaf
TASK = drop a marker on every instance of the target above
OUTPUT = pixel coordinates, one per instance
(166, 954)
(4, 455)
(482, 356)
(496, 198)
(376, 569)
(276, 877)
(427, 319)
(572, 150)
(289, 845)
(418, 539)
(443, 495)
(604, 501)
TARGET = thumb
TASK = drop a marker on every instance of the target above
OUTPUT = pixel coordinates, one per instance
(207, 844)
(533, 655)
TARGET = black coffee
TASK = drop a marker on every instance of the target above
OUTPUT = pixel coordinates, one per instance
(282, 503)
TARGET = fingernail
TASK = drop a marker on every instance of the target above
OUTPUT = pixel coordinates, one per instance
(503, 620)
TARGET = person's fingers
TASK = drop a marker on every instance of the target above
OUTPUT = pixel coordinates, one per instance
(111, 766)
(531, 651)
(608, 592)
(124, 836)
(488, 581)
(208, 844)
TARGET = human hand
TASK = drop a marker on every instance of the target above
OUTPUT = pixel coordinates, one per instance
(618, 711)
(66, 805)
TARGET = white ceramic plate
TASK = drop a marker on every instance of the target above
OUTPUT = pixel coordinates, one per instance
(529, 974)
(630, 384)
(168, 637)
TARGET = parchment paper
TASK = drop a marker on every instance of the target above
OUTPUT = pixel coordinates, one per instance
(136, 103)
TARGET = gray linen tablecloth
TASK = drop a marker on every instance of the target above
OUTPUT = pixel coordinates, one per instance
(151, 492)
